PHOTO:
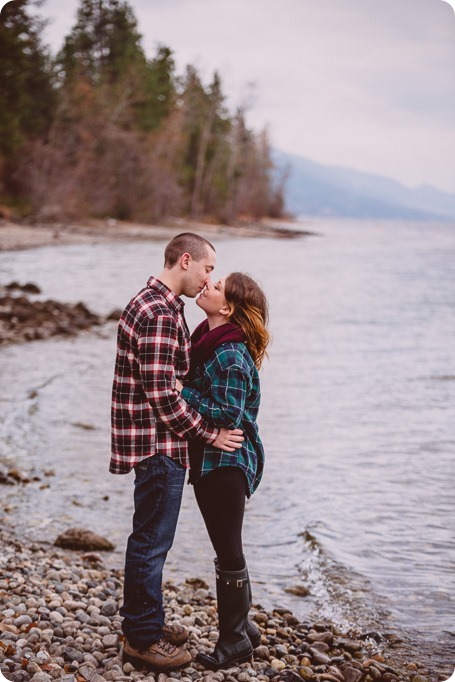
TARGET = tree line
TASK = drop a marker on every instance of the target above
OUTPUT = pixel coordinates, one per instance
(100, 129)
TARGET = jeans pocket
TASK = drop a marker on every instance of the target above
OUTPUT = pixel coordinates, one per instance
(141, 469)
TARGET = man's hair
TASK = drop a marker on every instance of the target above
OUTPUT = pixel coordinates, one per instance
(187, 242)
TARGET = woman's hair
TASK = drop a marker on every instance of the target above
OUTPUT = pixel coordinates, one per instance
(250, 311)
(187, 242)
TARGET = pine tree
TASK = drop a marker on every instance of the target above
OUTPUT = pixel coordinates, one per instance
(27, 95)
(158, 92)
(127, 138)
(103, 44)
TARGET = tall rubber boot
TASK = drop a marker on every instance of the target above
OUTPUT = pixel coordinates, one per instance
(233, 644)
(252, 630)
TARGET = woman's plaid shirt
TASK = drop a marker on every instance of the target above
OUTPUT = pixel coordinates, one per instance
(148, 415)
(226, 391)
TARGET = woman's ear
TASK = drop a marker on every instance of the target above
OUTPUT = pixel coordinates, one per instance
(226, 310)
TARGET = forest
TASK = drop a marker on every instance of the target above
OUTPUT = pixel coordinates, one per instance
(100, 129)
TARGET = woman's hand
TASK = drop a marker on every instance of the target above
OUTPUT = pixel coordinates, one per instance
(178, 385)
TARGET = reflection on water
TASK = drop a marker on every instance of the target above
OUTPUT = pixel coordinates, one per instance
(357, 417)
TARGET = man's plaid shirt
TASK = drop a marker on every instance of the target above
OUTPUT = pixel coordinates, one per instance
(148, 415)
(226, 391)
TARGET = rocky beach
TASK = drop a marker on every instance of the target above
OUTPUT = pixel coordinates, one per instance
(59, 606)
(59, 621)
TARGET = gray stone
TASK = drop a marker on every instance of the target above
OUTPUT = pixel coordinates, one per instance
(319, 657)
(110, 641)
(326, 637)
(71, 654)
(352, 675)
(289, 676)
(81, 538)
(321, 646)
(87, 671)
(349, 645)
(23, 620)
(262, 652)
(109, 608)
(33, 668)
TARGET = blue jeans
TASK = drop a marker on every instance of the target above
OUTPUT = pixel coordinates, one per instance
(158, 489)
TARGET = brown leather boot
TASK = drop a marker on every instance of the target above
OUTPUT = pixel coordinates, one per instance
(160, 656)
(175, 633)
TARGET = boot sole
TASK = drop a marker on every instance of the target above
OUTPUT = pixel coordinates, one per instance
(140, 664)
(211, 664)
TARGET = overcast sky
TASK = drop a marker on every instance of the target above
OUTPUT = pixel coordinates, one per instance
(366, 84)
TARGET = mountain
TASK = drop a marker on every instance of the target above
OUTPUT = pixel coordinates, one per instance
(318, 190)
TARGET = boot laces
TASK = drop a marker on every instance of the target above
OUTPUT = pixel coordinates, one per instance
(171, 627)
(166, 647)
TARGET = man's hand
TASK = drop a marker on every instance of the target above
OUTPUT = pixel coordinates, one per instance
(229, 441)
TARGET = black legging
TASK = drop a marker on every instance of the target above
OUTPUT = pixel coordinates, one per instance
(221, 498)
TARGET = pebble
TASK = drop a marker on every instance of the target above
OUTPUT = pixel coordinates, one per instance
(59, 621)
(277, 664)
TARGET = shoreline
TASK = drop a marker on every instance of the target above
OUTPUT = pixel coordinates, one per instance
(19, 236)
(403, 648)
(59, 620)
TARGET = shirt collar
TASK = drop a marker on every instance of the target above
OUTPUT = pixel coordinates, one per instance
(173, 300)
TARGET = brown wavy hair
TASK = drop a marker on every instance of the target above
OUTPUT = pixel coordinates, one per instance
(250, 311)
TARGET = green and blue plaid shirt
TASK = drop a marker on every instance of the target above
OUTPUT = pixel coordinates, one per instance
(225, 391)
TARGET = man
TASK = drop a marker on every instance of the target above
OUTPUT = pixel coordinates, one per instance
(151, 426)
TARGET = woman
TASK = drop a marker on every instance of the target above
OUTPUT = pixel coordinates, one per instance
(223, 386)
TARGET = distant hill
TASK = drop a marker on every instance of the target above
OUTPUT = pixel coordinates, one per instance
(318, 190)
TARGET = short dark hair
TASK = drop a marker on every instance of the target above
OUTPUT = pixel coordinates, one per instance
(187, 242)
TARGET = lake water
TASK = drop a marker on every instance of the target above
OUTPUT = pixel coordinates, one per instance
(357, 418)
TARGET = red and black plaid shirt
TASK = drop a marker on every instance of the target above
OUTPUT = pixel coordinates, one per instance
(153, 350)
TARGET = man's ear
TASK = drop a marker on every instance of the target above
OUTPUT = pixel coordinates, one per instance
(185, 259)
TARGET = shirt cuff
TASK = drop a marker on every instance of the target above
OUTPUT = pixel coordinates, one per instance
(211, 435)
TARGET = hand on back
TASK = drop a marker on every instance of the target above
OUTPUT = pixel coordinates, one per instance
(229, 440)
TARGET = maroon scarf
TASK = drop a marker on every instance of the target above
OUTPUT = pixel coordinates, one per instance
(204, 341)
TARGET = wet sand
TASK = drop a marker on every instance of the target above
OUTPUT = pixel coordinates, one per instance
(14, 236)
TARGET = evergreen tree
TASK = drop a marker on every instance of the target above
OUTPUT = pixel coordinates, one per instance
(207, 124)
(103, 45)
(104, 51)
(117, 133)
(27, 95)
(158, 91)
